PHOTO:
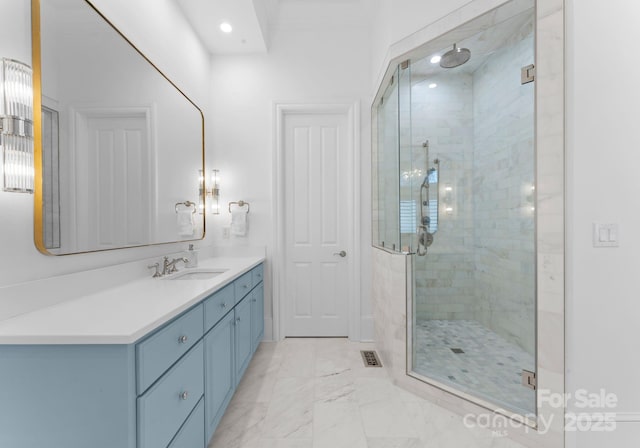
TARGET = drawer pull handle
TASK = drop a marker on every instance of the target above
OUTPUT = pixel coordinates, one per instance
(184, 395)
(223, 305)
(182, 339)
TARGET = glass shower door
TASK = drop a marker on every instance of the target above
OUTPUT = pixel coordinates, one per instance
(472, 137)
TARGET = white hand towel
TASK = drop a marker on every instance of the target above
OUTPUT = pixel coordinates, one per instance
(239, 223)
(185, 223)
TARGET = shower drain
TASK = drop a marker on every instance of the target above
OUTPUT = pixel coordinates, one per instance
(370, 358)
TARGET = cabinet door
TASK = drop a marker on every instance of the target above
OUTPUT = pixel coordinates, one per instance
(257, 316)
(219, 371)
(243, 336)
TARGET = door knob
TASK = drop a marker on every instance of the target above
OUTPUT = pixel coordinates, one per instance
(341, 253)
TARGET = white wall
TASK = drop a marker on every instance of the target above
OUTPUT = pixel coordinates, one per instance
(603, 156)
(308, 61)
(160, 31)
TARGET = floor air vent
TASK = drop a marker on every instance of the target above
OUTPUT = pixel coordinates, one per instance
(370, 358)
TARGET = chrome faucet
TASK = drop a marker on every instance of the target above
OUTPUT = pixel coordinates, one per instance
(169, 267)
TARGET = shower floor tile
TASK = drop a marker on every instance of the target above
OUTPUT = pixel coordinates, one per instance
(470, 357)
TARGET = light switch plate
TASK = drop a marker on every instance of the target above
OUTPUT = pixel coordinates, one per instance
(605, 235)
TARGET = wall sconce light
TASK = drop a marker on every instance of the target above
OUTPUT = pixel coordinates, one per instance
(213, 193)
(447, 199)
(16, 125)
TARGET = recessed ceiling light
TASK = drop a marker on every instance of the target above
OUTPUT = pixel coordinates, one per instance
(433, 85)
(226, 27)
(435, 59)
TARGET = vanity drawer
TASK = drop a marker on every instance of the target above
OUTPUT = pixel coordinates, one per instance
(157, 353)
(163, 409)
(191, 435)
(243, 285)
(219, 304)
(257, 274)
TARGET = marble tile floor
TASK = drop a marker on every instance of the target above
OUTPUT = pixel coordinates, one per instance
(488, 367)
(316, 393)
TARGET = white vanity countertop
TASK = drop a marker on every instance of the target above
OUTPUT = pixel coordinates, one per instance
(123, 314)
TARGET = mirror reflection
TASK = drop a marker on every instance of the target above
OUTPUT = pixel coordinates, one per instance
(122, 146)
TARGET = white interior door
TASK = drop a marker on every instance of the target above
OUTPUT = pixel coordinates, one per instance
(114, 190)
(318, 223)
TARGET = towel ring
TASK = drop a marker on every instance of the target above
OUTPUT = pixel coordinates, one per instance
(187, 204)
(239, 204)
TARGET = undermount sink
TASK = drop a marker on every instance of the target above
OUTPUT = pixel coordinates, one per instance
(200, 274)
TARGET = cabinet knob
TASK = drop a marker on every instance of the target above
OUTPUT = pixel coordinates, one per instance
(238, 319)
(245, 286)
(182, 339)
(223, 305)
(184, 395)
(254, 300)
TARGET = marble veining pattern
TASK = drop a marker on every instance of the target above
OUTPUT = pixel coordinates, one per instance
(333, 401)
(489, 366)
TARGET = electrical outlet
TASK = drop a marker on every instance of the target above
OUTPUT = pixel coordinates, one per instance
(226, 233)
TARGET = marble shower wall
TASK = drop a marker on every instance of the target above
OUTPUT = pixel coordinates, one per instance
(503, 196)
(444, 116)
(389, 296)
(480, 126)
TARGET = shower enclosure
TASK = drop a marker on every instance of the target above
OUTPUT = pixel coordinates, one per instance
(453, 176)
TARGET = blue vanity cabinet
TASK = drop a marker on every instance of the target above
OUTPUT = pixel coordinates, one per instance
(230, 341)
(169, 389)
(156, 353)
(164, 408)
(243, 285)
(191, 435)
(219, 371)
(257, 274)
(257, 315)
(243, 336)
(218, 304)
(70, 396)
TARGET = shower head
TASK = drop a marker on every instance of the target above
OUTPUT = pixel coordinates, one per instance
(456, 57)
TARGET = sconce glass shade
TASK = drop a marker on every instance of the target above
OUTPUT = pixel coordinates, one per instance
(215, 192)
(16, 125)
(202, 192)
(209, 196)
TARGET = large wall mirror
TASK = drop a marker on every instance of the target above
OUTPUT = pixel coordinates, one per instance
(121, 146)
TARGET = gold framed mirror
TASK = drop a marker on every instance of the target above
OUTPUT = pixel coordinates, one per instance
(118, 147)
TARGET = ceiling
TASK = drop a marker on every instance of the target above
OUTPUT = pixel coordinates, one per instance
(249, 18)
(254, 20)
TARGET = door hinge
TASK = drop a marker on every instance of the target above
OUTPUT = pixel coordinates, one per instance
(404, 64)
(528, 74)
(529, 379)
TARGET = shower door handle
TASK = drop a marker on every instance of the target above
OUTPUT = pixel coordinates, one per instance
(341, 253)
